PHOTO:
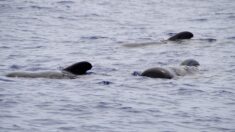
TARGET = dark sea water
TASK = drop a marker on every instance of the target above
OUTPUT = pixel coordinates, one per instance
(118, 38)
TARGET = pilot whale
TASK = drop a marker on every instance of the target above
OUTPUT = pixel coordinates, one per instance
(70, 72)
(181, 36)
(188, 66)
(177, 37)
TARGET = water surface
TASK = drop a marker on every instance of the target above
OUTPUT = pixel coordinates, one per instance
(45, 35)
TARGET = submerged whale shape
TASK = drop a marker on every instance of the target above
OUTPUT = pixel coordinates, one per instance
(188, 66)
(79, 68)
(181, 35)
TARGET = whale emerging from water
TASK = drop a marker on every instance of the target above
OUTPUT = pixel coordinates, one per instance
(181, 35)
(70, 72)
(188, 66)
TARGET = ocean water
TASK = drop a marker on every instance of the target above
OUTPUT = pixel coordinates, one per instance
(118, 38)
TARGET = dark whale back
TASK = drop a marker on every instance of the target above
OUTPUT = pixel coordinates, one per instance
(181, 35)
(190, 62)
(157, 72)
(79, 68)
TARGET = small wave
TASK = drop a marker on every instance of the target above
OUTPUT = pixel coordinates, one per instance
(105, 82)
(200, 20)
(4, 6)
(13, 127)
(47, 121)
(126, 108)
(183, 114)
(39, 7)
(8, 116)
(93, 37)
(67, 128)
(223, 129)
(208, 40)
(103, 105)
(67, 18)
(232, 38)
(20, 8)
(130, 109)
(4, 47)
(88, 15)
(187, 91)
(105, 70)
(231, 17)
(8, 103)
(223, 93)
(224, 13)
(210, 119)
(94, 128)
(16, 67)
(33, 47)
(65, 2)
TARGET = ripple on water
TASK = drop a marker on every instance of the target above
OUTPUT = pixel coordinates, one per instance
(188, 91)
(16, 67)
(39, 7)
(232, 38)
(95, 127)
(8, 116)
(200, 20)
(105, 82)
(13, 127)
(104, 105)
(130, 109)
(68, 128)
(209, 40)
(33, 47)
(65, 2)
(74, 108)
(47, 122)
(5, 47)
(224, 93)
(93, 37)
(5, 103)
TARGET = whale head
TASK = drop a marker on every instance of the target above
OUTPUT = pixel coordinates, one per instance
(79, 68)
(190, 62)
(181, 35)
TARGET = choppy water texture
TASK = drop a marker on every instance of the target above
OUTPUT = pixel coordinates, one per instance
(44, 35)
